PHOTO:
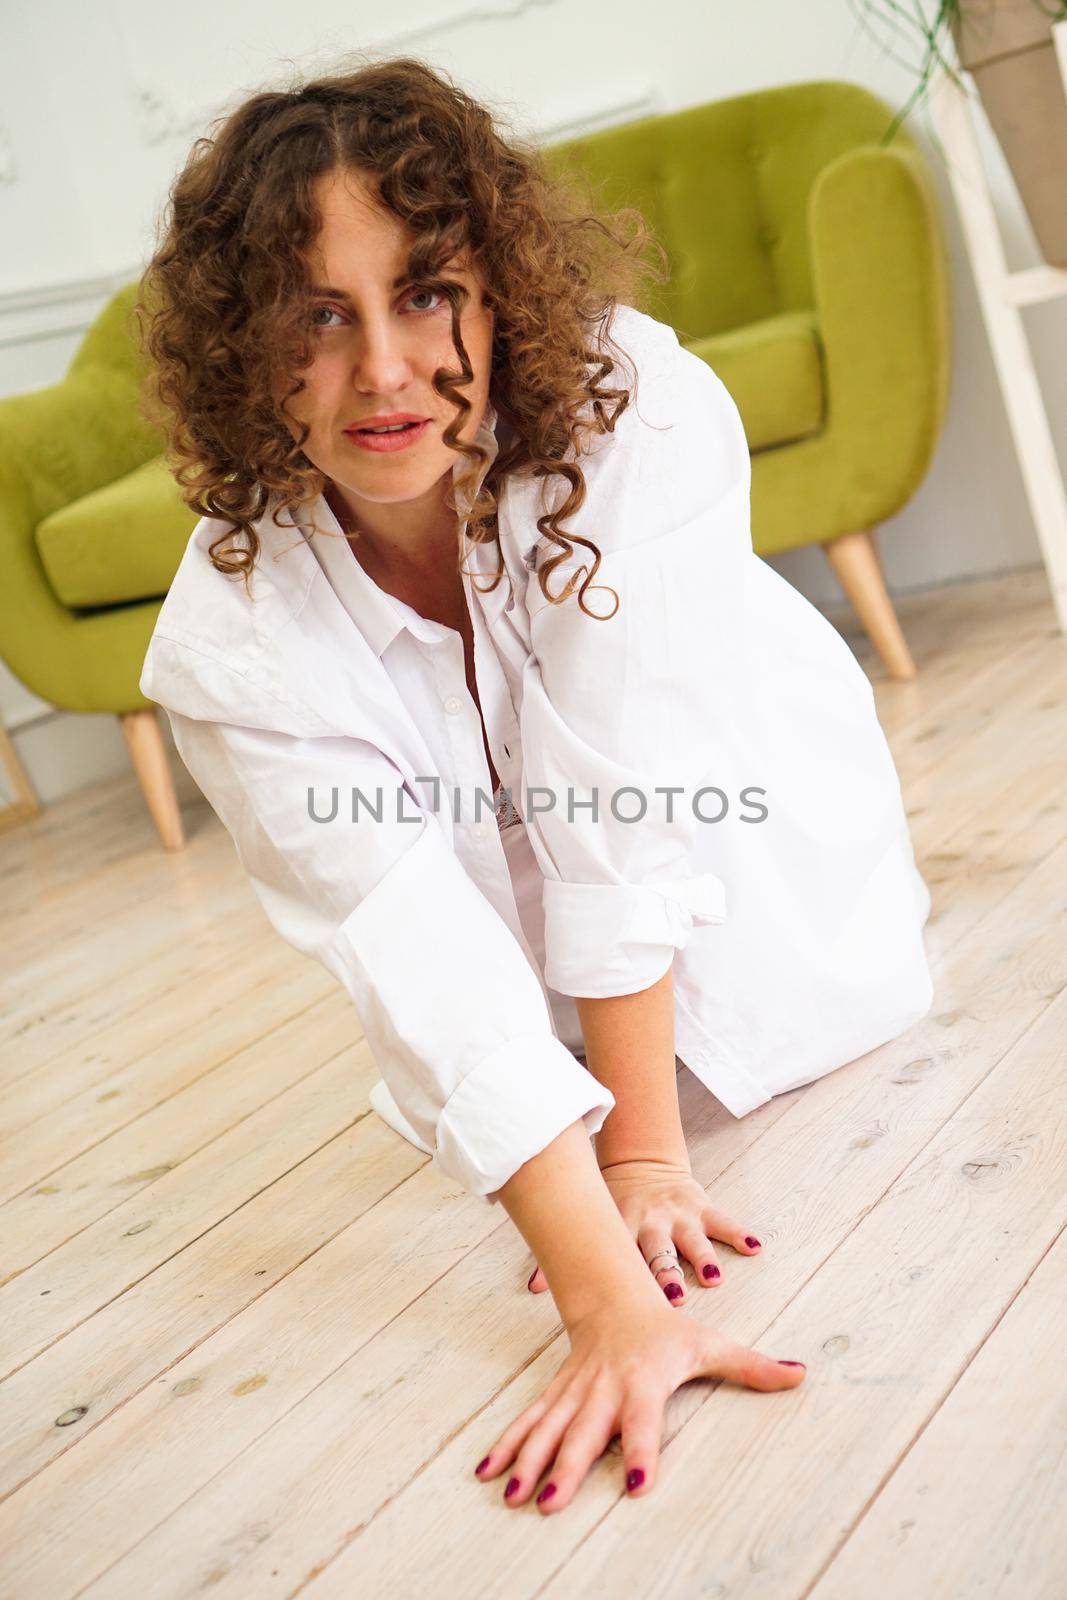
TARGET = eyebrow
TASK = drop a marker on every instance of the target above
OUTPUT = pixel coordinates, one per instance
(342, 294)
(398, 283)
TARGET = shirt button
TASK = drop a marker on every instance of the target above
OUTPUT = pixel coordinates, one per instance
(453, 704)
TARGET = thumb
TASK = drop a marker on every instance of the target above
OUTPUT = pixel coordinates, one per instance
(538, 1282)
(726, 1358)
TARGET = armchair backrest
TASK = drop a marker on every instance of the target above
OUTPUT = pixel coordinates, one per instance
(63, 441)
(726, 187)
(111, 340)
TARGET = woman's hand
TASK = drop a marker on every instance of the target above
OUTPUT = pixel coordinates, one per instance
(627, 1357)
(667, 1210)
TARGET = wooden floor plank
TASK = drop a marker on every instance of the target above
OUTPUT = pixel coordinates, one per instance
(935, 1531)
(109, 1090)
(129, 1241)
(85, 1014)
(146, 926)
(134, 1341)
(171, 1131)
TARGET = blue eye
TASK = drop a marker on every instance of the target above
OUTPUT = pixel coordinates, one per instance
(426, 290)
(331, 310)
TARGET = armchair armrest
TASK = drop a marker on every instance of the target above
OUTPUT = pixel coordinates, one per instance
(882, 300)
(56, 444)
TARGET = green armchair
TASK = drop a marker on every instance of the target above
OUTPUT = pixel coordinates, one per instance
(808, 268)
(91, 533)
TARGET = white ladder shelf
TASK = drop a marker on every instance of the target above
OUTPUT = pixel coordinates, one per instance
(1002, 295)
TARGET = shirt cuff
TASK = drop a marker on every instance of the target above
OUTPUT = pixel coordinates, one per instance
(605, 939)
(510, 1106)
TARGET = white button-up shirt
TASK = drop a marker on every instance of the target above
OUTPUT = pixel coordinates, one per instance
(701, 779)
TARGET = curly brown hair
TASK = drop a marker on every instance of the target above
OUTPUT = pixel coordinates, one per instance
(222, 311)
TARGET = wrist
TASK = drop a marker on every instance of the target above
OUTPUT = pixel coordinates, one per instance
(664, 1152)
(628, 1282)
(637, 1130)
(564, 1210)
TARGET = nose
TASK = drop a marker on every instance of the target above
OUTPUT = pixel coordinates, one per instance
(382, 364)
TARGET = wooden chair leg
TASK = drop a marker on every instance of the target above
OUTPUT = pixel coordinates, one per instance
(854, 558)
(144, 740)
(24, 802)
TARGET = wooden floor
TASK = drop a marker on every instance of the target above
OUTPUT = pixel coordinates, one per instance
(253, 1344)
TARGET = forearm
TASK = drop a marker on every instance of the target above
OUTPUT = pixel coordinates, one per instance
(562, 1207)
(629, 1047)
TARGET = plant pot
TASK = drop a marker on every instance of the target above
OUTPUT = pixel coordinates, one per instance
(1007, 46)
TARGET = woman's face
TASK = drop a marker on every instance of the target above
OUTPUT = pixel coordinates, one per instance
(377, 340)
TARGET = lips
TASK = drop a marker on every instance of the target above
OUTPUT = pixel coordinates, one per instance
(384, 419)
(402, 437)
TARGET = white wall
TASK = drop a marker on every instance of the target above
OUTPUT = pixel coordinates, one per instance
(99, 104)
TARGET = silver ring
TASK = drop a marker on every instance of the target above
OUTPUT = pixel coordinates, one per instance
(673, 1256)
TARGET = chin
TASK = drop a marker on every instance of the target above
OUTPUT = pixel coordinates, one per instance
(403, 486)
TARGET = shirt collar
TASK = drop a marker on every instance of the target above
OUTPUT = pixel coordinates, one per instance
(378, 615)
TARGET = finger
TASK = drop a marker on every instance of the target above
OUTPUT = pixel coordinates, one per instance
(510, 1441)
(642, 1434)
(695, 1247)
(588, 1436)
(726, 1358)
(661, 1257)
(541, 1446)
(717, 1225)
(537, 1282)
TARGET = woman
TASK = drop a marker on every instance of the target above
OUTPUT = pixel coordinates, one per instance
(446, 558)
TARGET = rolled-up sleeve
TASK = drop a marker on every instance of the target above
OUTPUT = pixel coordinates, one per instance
(621, 717)
(454, 1015)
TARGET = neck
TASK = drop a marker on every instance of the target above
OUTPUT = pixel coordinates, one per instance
(397, 541)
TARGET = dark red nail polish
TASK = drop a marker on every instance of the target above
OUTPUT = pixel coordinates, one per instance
(794, 1364)
(635, 1478)
(482, 1464)
(513, 1484)
(753, 1244)
(546, 1493)
(672, 1291)
(711, 1271)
